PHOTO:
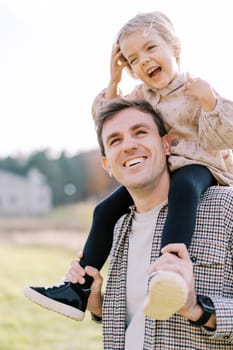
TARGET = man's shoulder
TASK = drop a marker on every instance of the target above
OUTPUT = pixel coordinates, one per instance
(120, 221)
(119, 224)
(216, 195)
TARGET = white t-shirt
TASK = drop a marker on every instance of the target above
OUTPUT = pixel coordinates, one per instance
(140, 244)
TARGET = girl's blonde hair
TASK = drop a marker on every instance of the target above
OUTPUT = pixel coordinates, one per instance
(152, 20)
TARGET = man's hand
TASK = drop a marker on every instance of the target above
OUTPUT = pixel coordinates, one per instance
(95, 300)
(76, 275)
(180, 263)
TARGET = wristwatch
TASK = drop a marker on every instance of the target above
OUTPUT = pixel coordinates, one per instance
(208, 307)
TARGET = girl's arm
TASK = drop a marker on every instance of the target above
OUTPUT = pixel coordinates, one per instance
(117, 64)
(100, 100)
(216, 127)
(216, 120)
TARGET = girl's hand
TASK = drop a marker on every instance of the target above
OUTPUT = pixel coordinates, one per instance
(118, 63)
(202, 91)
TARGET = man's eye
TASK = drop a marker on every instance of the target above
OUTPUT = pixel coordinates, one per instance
(113, 141)
(141, 132)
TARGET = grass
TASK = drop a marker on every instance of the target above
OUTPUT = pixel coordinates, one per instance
(23, 324)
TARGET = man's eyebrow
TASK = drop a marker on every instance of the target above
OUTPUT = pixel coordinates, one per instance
(134, 127)
(112, 135)
(140, 125)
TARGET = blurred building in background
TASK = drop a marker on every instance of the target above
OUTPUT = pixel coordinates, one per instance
(20, 195)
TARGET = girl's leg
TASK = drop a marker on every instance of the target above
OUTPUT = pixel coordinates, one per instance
(99, 241)
(168, 291)
(187, 185)
(71, 299)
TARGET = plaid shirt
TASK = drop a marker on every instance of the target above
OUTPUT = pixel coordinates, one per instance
(211, 251)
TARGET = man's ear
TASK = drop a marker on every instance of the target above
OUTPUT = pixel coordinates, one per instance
(166, 139)
(105, 165)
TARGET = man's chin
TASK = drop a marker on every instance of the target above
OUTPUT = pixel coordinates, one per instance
(137, 185)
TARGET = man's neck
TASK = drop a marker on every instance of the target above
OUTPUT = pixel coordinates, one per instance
(144, 206)
(148, 198)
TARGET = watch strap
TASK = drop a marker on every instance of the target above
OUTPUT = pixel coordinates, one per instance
(202, 320)
(206, 312)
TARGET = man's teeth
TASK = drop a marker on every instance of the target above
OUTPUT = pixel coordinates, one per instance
(133, 162)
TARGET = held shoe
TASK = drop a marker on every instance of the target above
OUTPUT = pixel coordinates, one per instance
(167, 294)
(67, 299)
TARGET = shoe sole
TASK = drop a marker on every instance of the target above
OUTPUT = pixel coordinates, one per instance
(167, 294)
(53, 305)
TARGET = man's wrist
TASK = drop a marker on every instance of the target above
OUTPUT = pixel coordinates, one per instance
(205, 313)
(95, 303)
(197, 312)
(96, 318)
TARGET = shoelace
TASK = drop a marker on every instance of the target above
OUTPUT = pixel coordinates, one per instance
(57, 285)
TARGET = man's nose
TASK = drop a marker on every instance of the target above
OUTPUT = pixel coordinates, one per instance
(129, 143)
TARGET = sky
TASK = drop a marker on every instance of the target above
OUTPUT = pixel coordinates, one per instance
(55, 58)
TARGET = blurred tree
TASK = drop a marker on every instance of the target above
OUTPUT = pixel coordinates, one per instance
(72, 178)
(99, 182)
(14, 165)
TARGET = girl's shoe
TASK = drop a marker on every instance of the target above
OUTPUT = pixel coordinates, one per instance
(67, 299)
(167, 294)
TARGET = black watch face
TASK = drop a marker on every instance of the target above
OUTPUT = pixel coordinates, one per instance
(206, 302)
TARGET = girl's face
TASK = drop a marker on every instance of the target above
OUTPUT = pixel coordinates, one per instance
(151, 58)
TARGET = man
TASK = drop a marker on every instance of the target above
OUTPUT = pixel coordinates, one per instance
(134, 151)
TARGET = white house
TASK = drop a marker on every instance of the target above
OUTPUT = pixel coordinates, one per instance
(24, 195)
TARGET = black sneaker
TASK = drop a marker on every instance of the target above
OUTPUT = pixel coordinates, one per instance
(67, 299)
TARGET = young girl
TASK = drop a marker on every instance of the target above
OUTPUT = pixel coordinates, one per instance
(200, 126)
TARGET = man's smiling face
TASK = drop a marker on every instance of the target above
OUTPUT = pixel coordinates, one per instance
(135, 152)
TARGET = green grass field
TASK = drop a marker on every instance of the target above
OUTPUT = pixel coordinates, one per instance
(23, 324)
